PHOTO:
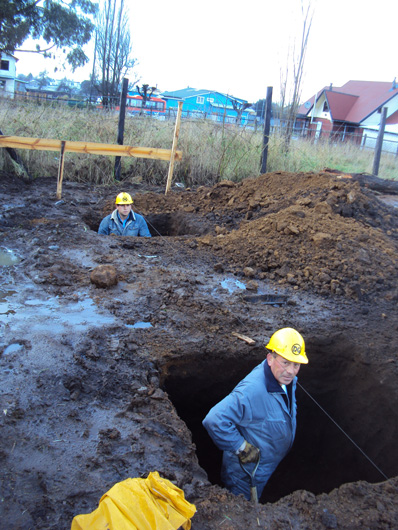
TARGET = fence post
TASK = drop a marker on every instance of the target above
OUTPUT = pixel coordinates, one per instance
(120, 134)
(60, 170)
(379, 142)
(174, 147)
(267, 126)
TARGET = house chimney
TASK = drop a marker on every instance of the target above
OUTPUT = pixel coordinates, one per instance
(394, 84)
(331, 87)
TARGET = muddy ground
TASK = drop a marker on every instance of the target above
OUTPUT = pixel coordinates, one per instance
(99, 383)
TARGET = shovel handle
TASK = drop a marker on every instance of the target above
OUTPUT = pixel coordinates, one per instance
(253, 488)
(253, 494)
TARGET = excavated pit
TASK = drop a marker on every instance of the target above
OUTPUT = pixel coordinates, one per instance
(323, 457)
(163, 224)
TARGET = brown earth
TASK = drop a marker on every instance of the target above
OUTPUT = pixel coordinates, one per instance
(100, 383)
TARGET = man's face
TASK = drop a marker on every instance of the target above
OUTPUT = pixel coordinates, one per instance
(124, 210)
(283, 370)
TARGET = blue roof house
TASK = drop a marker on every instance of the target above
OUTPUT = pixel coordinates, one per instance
(209, 104)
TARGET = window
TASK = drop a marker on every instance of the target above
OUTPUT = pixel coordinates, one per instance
(200, 100)
(210, 100)
(5, 65)
(325, 107)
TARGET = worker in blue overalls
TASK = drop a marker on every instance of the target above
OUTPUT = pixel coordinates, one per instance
(257, 420)
(123, 221)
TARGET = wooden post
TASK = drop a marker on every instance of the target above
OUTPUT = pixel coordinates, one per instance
(267, 127)
(379, 142)
(60, 171)
(174, 146)
(122, 116)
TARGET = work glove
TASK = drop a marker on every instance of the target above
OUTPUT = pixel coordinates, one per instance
(249, 454)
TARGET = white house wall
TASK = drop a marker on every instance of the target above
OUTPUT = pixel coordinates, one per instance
(390, 140)
(374, 119)
(318, 112)
(8, 76)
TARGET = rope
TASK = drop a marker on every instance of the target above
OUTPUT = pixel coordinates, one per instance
(338, 426)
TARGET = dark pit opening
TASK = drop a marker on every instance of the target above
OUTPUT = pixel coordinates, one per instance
(322, 457)
(177, 224)
(164, 224)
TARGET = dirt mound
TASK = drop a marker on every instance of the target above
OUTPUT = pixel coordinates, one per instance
(320, 232)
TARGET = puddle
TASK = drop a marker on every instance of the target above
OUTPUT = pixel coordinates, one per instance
(12, 348)
(52, 317)
(139, 325)
(391, 200)
(4, 305)
(8, 257)
(275, 300)
(232, 285)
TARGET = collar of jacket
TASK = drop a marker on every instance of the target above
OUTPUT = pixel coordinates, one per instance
(115, 217)
(271, 383)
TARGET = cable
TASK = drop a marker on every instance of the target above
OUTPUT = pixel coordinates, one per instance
(338, 426)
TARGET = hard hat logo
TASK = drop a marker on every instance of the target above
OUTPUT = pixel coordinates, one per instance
(296, 349)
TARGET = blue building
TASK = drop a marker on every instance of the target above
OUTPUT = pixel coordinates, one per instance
(209, 104)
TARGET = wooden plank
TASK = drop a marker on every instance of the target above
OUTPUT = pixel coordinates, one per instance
(92, 148)
(174, 146)
(244, 338)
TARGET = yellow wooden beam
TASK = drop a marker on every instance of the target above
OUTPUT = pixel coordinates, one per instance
(92, 148)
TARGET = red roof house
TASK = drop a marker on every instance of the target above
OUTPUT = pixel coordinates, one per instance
(352, 111)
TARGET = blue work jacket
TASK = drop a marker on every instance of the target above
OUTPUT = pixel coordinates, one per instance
(255, 411)
(135, 225)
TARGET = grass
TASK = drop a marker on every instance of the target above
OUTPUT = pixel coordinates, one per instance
(211, 151)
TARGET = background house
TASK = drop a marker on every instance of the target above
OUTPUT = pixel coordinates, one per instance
(353, 112)
(7, 74)
(208, 104)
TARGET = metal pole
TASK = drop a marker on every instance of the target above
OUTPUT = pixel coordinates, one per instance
(122, 115)
(267, 127)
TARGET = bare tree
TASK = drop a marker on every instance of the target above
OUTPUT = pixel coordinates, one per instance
(291, 77)
(113, 50)
(146, 92)
(239, 107)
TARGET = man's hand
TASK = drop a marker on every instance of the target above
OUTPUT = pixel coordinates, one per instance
(249, 454)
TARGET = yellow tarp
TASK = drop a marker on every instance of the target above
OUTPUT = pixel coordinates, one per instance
(153, 503)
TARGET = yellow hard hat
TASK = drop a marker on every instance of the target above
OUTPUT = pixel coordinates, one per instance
(289, 344)
(124, 198)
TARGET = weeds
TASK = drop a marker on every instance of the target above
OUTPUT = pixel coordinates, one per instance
(211, 151)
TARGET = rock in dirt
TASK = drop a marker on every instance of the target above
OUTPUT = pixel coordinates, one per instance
(104, 276)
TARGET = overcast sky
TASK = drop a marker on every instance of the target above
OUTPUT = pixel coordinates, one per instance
(240, 47)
